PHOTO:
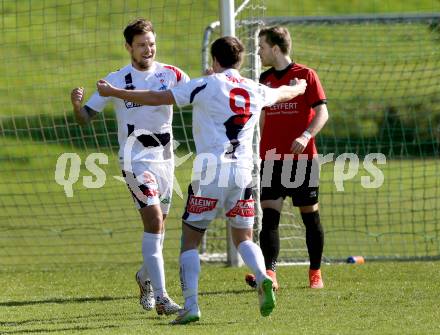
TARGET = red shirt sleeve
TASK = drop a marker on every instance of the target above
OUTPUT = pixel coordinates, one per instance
(314, 93)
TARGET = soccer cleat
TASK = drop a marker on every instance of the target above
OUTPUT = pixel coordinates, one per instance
(252, 281)
(187, 316)
(315, 279)
(146, 298)
(273, 276)
(266, 297)
(166, 305)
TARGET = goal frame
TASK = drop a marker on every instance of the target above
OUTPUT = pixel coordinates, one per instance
(254, 26)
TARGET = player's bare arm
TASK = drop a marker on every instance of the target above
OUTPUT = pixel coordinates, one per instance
(142, 97)
(83, 114)
(320, 119)
(287, 93)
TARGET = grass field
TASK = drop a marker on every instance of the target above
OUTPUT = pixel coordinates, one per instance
(67, 264)
(375, 298)
(40, 225)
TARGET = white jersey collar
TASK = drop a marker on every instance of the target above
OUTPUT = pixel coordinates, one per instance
(151, 70)
(232, 72)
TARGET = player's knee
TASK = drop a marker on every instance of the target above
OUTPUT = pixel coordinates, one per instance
(311, 220)
(271, 219)
(309, 209)
(192, 235)
(153, 224)
(152, 218)
(276, 204)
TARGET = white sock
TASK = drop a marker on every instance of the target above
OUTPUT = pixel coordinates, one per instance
(153, 261)
(143, 273)
(189, 277)
(253, 258)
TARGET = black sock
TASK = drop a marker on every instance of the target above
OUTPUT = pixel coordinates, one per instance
(270, 238)
(314, 238)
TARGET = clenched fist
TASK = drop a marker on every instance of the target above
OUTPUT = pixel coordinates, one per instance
(77, 97)
(105, 89)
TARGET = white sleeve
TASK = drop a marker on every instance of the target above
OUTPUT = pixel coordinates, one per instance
(189, 92)
(269, 95)
(180, 76)
(184, 79)
(97, 102)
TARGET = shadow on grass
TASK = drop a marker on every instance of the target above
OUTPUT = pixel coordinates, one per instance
(220, 323)
(95, 317)
(244, 291)
(62, 301)
(44, 330)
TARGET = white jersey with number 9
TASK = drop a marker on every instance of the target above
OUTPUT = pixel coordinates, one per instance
(226, 108)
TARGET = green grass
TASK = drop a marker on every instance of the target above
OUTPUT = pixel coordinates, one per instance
(374, 298)
(40, 225)
(67, 264)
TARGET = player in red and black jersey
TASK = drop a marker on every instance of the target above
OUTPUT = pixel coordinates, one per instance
(288, 140)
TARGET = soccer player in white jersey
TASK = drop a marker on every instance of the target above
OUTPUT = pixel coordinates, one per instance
(226, 108)
(145, 154)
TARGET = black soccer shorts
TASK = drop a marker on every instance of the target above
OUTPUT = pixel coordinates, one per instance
(297, 181)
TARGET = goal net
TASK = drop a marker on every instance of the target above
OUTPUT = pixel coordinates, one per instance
(381, 74)
(47, 48)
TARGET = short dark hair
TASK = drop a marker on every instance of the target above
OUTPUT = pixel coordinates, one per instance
(228, 51)
(277, 36)
(138, 26)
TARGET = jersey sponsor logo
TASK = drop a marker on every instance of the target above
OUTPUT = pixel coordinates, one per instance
(151, 193)
(149, 178)
(129, 104)
(129, 86)
(147, 192)
(162, 87)
(244, 208)
(283, 105)
(159, 75)
(166, 200)
(197, 205)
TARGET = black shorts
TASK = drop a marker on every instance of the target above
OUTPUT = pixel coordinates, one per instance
(302, 185)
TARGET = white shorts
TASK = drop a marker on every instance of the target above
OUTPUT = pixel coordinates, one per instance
(231, 195)
(151, 183)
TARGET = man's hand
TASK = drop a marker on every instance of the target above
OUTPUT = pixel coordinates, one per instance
(208, 71)
(77, 97)
(288, 92)
(104, 88)
(301, 84)
(299, 145)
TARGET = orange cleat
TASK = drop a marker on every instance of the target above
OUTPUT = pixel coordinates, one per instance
(252, 281)
(273, 276)
(315, 279)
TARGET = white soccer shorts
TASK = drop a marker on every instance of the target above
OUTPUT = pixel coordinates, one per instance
(151, 183)
(230, 194)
